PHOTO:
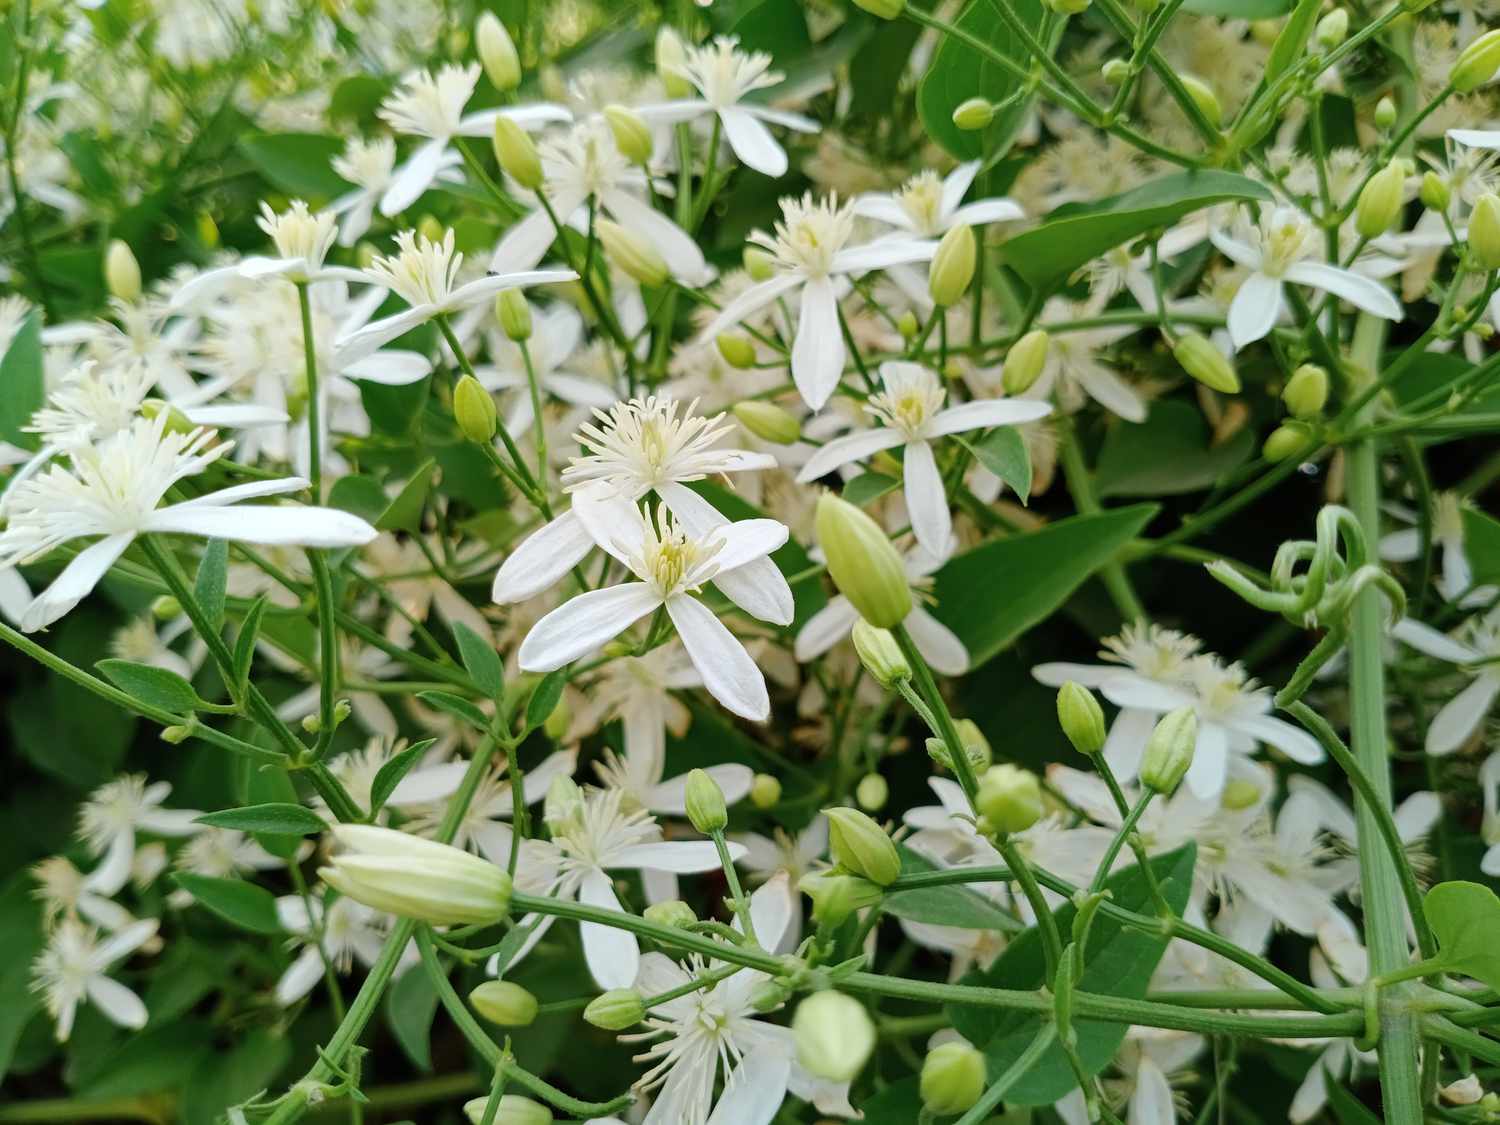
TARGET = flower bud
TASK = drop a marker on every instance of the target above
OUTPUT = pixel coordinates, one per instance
(736, 349)
(122, 273)
(1025, 361)
(1306, 392)
(1476, 63)
(176, 734)
(768, 995)
(835, 897)
(952, 266)
(514, 1110)
(206, 229)
(1284, 441)
(558, 721)
(1115, 71)
(670, 58)
(516, 152)
(166, 608)
(767, 421)
(416, 878)
(1484, 231)
(953, 1076)
(908, 325)
(563, 804)
(1169, 750)
(861, 846)
(1203, 97)
(880, 654)
(1380, 201)
(705, 803)
(674, 912)
(1332, 29)
(765, 791)
(760, 265)
(632, 135)
(474, 410)
(514, 314)
(1009, 797)
(974, 114)
(1081, 717)
(864, 566)
(1196, 354)
(616, 1009)
(872, 792)
(1385, 113)
(632, 253)
(497, 52)
(504, 1002)
(1239, 794)
(882, 9)
(976, 747)
(833, 1035)
(430, 228)
(1434, 192)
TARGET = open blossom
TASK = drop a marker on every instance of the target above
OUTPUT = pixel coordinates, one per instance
(1456, 578)
(109, 820)
(334, 934)
(910, 406)
(370, 166)
(1475, 647)
(928, 206)
(74, 966)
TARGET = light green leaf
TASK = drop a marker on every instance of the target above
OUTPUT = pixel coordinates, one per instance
(868, 487)
(297, 163)
(1482, 545)
(544, 698)
(1465, 917)
(1003, 452)
(159, 687)
(276, 818)
(481, 661)
(404, 513)
(953, 905)
(213, 578)
(243, 904)
(22, 385)
(389, 775)
(410, 1004)
(1167, 454)
(456, 706)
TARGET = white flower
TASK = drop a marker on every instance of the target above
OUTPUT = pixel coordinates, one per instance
(1456, 582)
(698, 1032)
(432, 106)
(556, 335)
(1147, 1061)
(1073, 374)
(114, 813)
(346, 931)
(766, 857)
(64, 892)
(724, 75)
(112, 490)
(928, 207)
(72, 969)
(1414, 817)
(224, 853)
(672, 565)
(423, 273)
(1276, 252)
(1476, 648)
(810, 248)
(370, 166)
(911, 408)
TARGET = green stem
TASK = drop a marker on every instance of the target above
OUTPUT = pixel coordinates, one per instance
(1081, 488)
(995, 1094)
(937, 708)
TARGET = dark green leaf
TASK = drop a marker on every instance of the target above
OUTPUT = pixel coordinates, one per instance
(1292, 40)
(1465, 917)
(296, 163)
(213, 578)
(361, 495)
(1240, 9)
(276, 819)
(158, 687)
(868, 487)
(244, 904)
(900, 1103)
(1482, 545)
(1003, 452)
(410, 1004)
(389, 775)
(404, 513)
(456, 706)
(481, 661)
(22, 386)
(1167, 454)
(158, 1059)
(1345, 1106)
(953, 905)
(227, 1078)
(544, 698)
(244, 643)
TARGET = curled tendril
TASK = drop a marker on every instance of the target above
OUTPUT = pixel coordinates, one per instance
(1314, 583)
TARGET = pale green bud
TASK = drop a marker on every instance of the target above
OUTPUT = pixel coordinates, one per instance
(861, 846)
(864, 565)
(976, 747)
(872, 792)
(767, 421)
(497, 52)
(632, 253)
(166, 608)
(1284, 441)
(474, 410)
(765, 791)
(953, 1077)
(504, 1002)
(1380, 201)
(1204, 98)
(207, 229)
(1239, 794)
(176, 734)
(1169, 750)
(1115, 71)
(514, 1110)
(674, 912)
(563, 805)
(835, 897)
(833, 1034)
(1025, 361)
(1484, 231)
(616, 1009)
(1068, 7)
(1476, 63)
(908, 325)
(1332, 29)
(416, 878)
(974, 114)
(759, 264)
(556, 724)
(882, 9)
(516, 152)
(1081, 717)
(632, 134)
(671, 57)
(1385, 113)
(1306, 392)
(514, 314)
(1196, 354)
(880, 654)
(952, 266)
(736, 349)
(705, 803)
(1009, 797)
(1434, 192)
(431, 229)
(122, 273)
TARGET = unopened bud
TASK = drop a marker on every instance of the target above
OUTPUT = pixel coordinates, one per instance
(430, 228)
(514, 314)
(1169, 750)
(864, 565)
(1476, 63)
(207, 230)
(1484, 231)
(759, 264)
(632, 253)
(908, 325)
(736, 349)
(767, 421)
(1332, 29)
(976, 113)
(705, 803)
(953, 1077)
(176, 734)
(674, 913)
(122, 273)
(177, 422)
(1009, 797)
(616, 1009)
(1380, 201)
(880, 654)
(671, 57)
(516, 152)
(882, 9)
(504, 1002)
(1204, 98)
(474, 410)
(1239, 794)
(1115, 71)
(952, 266)
(765, 791)
(835, 897)
(1306, 392)
(1197, 355)
(563, 805)
(1284, 441)
(872, 792)
(1081, 717)
(861, 846)
(514, 1110)
(833, 1034)
(497, 52)
(416, 878)
(632, 134)
(1434, 192)
(1025, 361)
(558, 721)
(166, 608)
(974, 743)
(1385, 113)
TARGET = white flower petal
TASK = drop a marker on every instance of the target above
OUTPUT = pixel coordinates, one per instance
(612, 954)
(1462, 715)
(681, 857)
(542, 559)
(755, 1089)
(583, 623)
(818, 351)
(926, 501)
(682, 254)
(75, 583)
(1361, 292)
(937, 643)
(393, 368)
(728, 673)
(850, 447)
(117, 1002)
(1426, 639)
(752, 142)
(751, 301)
(986, 413)
(413, 178)
(294, 526)
(824, 629)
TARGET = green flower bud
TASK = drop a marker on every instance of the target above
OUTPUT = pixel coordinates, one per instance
(1484, 231)
(767, 421)
(759, 264)
(736, 349)
(833, 1034)
(563, 805)
(1009, 797)
(504, 1002)
(122, 273)
(861, 846)
(974, 742)
(1025, 361)
(206, 229)
(1081, 717)
(705, 803)
(556, 724)
(1476, 63)
(908, 325)
(1196, 354)
(1203, 97)
(1239, 794)
(632, 253)
(1434, 192)
(632, 134)
(674, 912)
(166, 608)
(1284, 441)
(872, 792)
(474, 410)
(1306, 392)
(616, 1009)
(765, 791)
(1380, 200)
(514, 314)
(835, 897)
(671, 57)
(974, 114)
(768, 995)
(953, 1077)
(1169, 750)
(1385, 113)
(430, 228)
(1332, 29)
(864, 566)
(1115, 71)
(880, 654)
(176, 734)
(882, 9)
(416, 878)
(514, 1110)
(497, 52)
(952, 266)
(516, 152)
(1068, 7)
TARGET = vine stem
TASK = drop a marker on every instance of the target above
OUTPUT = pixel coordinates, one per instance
(1081, 487)
(980, 1110)
(328, 638)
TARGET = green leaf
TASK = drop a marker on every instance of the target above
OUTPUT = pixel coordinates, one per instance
(1292, 40)
(1003, 452)
(544, 698)
(243, 904)
(481, 661)
(213, 579)
(953, 905)
(389, 775)
(159, 1058)
(1119, 962)
(1482, 545)
(1167, 454)
(296, 163)
(1348, 1109)
(159, 687)
(22, 384)
(1077, 233)
(1240, 9)
(410, 1004)
(227, 1078)
(900, 1103)
(958, 72)
(404, 513)
(244, 643)
(361, 495)
(1465, 917)
(457, 706)
(868, 487)
(991, 595)
(276, 818)
(21, 938)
